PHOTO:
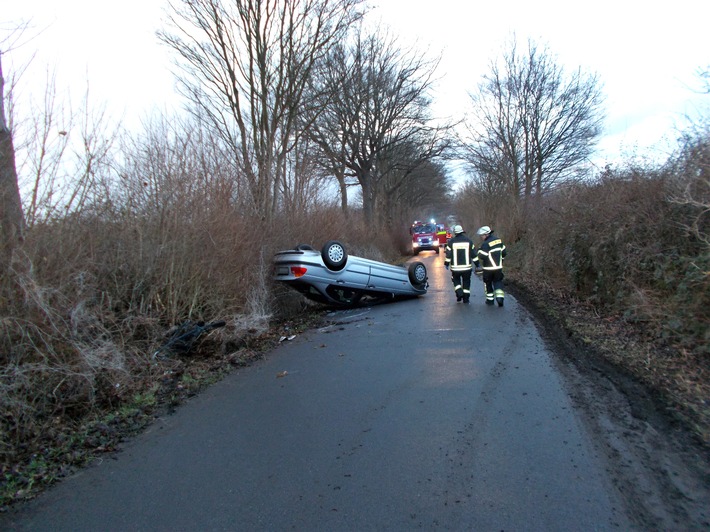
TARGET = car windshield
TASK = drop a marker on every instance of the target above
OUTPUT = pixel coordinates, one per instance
(426, 228)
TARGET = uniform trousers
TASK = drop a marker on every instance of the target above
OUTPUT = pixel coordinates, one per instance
(493, 280)
(462, 283)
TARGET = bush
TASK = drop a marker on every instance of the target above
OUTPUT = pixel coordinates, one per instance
(632, 253)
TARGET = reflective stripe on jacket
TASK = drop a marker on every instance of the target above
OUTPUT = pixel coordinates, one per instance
(460, 253)
(491, 253)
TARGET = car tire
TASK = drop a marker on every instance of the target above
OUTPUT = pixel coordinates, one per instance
(417, 274)
(334, 255)
(303, 247)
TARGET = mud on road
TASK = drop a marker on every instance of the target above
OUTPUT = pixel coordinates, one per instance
(657, 462)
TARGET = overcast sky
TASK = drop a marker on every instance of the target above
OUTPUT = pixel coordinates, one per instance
(646, 53)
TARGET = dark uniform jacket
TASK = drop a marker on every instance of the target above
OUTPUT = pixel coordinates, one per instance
(491, 253)
(460, 253)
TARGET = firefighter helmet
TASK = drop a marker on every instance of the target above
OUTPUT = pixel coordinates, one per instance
(483, 231)
(458, 229)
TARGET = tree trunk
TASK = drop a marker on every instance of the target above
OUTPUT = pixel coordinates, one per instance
(11, 219)
(368, 208)
(340, 176)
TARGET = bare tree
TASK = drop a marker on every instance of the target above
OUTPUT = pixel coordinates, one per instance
(324, 120)
(304, 184)
(533, 123)
(703, 75)
(11, 216)
(411, 184)
(407, 195)
(246, 65)
(65, 157)
(372, 100)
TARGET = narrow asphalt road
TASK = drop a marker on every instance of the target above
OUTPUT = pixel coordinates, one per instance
(420, 414)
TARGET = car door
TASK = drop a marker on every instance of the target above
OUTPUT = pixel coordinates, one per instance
(388, 278)
(356, 274)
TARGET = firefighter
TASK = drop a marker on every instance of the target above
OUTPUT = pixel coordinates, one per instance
(490, 256)
(460, 257)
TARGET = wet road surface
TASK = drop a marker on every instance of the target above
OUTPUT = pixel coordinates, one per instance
(420, 414)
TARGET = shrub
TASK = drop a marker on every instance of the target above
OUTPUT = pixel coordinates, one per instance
(635, 243)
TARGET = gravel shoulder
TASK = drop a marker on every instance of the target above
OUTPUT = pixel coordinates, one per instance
(656, 458)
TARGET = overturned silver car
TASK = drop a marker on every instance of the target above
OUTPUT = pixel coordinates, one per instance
(331, 276)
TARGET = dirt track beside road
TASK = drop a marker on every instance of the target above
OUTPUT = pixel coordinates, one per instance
(655, 458)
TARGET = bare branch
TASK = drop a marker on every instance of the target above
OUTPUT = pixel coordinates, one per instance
(245, 67)
(535, 125)
(371, 115)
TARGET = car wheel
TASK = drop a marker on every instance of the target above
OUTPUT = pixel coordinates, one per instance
(417, 274)
(334, 255)
(303, 247)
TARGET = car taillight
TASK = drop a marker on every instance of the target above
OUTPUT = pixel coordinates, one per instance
(298, 271)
